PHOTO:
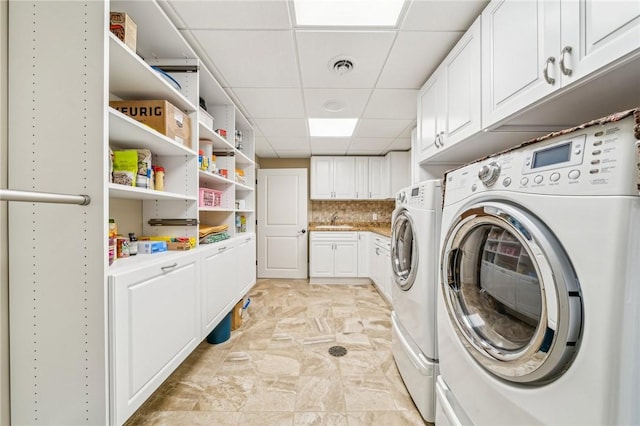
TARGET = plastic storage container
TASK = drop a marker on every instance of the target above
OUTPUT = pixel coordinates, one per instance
(210, 198)
(222, 332)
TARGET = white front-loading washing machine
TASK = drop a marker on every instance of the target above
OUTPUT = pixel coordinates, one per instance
(539, 297)
(414, 259)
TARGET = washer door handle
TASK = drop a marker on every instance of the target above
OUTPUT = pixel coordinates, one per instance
(453, 276)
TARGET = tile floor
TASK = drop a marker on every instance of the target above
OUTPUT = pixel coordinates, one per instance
(276, 369)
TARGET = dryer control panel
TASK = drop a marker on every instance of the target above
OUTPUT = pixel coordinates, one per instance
(423, 195)
(596, 160)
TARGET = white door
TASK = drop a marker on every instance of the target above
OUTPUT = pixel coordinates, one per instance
(282, 223)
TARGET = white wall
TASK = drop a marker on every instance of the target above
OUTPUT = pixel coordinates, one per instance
(4, 278)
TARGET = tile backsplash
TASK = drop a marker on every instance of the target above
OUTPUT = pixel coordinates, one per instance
(351, 211)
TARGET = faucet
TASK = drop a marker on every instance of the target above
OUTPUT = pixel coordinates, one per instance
(334, 216)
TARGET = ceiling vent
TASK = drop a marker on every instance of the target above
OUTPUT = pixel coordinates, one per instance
(342, 66)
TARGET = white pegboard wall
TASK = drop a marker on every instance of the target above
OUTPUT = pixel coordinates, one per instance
(57, 99)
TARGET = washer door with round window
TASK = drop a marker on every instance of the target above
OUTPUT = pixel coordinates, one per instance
(511, 293)
(404, 251)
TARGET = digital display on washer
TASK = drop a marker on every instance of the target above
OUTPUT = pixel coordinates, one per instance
(415, 191)
(554, 155)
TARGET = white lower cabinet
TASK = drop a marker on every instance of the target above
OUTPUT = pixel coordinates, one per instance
(363, 254)
(219, 289)
(158, 314)
(380, 261)
(333, 254)
(154, 325)
(246, 263)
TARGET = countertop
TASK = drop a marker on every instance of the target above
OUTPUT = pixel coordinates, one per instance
(383, 229)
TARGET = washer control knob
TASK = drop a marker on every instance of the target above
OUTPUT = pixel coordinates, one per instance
(402, 196)
(489, 173)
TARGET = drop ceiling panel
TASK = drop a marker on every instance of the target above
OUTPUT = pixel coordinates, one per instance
(329, 145)
(353, 100)
(263, 149)
(271, 103)
(294, 154)
(373, 146)
(400, 144)
(289, 144)
(261, 15)
(252, 58)
(368, 51)
(380, 128)
(415, 55)
(287, 127)
(406, 133)
(395, 104)
(442, 15)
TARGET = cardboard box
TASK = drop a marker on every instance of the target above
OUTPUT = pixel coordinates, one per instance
(123, 27)
(159, 115)
(178, 245)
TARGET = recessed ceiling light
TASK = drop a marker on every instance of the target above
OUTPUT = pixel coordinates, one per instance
(348, 13)
(332, 127)
(333, 105)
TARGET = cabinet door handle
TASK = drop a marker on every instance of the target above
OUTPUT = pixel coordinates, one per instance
(166, 268)
(564, 69)
(224, 248)
(369, 194)
(550, 60)
(377, 251)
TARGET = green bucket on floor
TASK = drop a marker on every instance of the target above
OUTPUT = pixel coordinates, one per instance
(222, 332)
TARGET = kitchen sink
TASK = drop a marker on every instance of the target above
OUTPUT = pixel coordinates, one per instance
(334, 227)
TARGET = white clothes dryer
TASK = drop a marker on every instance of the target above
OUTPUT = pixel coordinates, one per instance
(538, 317)
(414, 260)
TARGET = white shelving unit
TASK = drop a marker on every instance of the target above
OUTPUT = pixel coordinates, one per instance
(81, 329)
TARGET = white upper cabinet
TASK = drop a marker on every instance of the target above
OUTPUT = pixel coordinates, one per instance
(372, 178)
(430, 117)
(399, 170)
(596, 33)
(344, 178)
(449, 103)
(362, 178)
(321, 178)
(333, 178)
(533, 48)
(378, 178)
(358, 178)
